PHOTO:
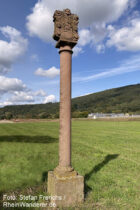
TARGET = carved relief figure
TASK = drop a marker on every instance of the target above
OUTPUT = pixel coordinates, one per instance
(66, 27)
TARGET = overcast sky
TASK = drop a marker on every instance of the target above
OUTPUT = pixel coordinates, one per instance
(107, 54)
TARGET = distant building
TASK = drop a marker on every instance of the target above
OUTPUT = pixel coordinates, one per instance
(106, 115)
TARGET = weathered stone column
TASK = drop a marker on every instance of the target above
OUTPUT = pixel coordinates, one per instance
(65, 108)
(64, 181)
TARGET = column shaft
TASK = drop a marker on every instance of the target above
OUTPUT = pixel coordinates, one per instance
(65, 107)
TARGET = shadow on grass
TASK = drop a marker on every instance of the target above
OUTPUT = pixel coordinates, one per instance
(28, 139)
(97, 168)
(45, 176)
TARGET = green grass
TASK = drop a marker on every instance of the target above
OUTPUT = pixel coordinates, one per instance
(106, 153)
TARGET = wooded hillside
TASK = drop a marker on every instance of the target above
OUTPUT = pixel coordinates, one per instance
(117, 100)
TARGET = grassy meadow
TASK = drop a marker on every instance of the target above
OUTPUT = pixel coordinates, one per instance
(106, 153)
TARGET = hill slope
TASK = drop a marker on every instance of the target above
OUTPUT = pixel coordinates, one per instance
(118, 100)
(122, 99)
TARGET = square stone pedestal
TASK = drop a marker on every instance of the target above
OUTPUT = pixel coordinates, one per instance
(66, 190)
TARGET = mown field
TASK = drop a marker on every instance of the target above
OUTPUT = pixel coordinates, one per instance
(106, 153)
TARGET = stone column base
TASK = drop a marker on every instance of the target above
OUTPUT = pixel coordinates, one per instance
(66, 190)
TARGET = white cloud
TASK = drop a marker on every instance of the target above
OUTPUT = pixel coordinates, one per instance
(4, 68)
(40, 93)
(6, 103)
(50, 73)
(130, 65)
(85, 37)
(16, 91)
(100, 48)
(94, 35)
(10, 85)
(126, 38)
(39, 22)
(77, 50)
(11, 51)
(21, 96)
(50, 98)
(93, 15)
(13, 91)
(98, 32)
(26, 96)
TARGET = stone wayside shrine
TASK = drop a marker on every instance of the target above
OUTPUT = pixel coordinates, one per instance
(64, 182)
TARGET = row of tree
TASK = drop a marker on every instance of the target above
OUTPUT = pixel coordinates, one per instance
(42, 115)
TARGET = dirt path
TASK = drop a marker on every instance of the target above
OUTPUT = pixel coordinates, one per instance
(6, 121)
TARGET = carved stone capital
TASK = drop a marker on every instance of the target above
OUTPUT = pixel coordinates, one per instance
(65, 28)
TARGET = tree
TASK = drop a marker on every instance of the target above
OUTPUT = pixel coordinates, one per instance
(1, 117)
(8, 115)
